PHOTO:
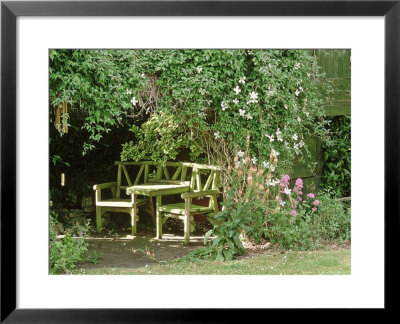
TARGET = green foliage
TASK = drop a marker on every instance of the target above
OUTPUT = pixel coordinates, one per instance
(337, 158)
(66, 252)
(310, 228)
(221, 96)
(96, 83)
(161, 138)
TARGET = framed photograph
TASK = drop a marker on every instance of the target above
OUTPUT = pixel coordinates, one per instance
(34, 33)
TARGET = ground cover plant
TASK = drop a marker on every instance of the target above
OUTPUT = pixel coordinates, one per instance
(251, 112)
(66, 252)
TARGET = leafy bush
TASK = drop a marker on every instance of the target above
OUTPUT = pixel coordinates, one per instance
(337, 158)
(161, 138)
(305, 224)
(248, 199)
(64, 253)
(260, 207)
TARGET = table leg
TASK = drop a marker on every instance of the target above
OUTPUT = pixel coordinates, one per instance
(158, 218)
(133, 214)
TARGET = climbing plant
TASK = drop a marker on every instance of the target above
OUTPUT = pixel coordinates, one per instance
(221, 96)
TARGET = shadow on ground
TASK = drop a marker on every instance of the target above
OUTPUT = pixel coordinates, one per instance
(122, 250)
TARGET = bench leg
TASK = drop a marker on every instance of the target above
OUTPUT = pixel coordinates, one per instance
(158, 218)
(98, 219)
(186, 224)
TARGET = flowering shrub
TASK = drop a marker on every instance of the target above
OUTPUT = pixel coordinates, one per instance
(221, 96)
(305, 223)
(259, 206)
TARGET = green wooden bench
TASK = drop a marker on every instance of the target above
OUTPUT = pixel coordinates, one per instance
(187, 180)
(207, 174)
(124, 204)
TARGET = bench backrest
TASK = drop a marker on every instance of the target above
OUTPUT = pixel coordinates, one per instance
(201, 177)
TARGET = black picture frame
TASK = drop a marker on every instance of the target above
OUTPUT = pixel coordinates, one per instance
(10, 10)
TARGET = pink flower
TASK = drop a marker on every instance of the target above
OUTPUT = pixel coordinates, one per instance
(299, 183)
(299, 199)
(316, 203)
(310, 195)
(293, 213)
(314, 209)
(284, 181)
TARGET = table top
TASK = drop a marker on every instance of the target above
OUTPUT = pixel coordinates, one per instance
(157, 189)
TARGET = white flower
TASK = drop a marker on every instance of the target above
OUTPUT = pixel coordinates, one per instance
(271, 137)
(296, 66)
(301, 88)
(278, 135)
(242, 80)
(285, 106)
(301, 143)
(223, 105)
(294, 137)
(202, 91)
(216, 135)
(272, 182)
(298, 119)
(249, 116)
(269, 166)
(240, 153)
(129, 92)
(134, 101)
(254, 160)
(282, 203)
(297, 93)
(287, 191)
(237, 90)
(274, 153)
(309, 75)
(253, 95)
(143, 75)
(235, 101)
(199, 69)
(307, 113)
(242, 112)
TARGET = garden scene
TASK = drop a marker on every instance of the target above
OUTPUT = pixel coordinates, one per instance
(200, 162)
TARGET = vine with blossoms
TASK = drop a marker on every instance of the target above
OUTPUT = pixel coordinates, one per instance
(222, 96)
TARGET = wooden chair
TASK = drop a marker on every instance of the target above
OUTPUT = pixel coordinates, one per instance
(185, 210)
(122, 204)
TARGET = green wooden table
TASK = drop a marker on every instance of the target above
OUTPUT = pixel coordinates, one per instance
(156, 190)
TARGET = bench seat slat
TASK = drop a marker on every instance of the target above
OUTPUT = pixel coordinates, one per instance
(120, 202)
(179, 208)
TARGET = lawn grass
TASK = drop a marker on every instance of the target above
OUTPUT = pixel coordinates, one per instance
(337, 262)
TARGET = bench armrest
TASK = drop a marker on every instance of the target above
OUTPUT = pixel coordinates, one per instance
(200, 193)
(105, 185)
